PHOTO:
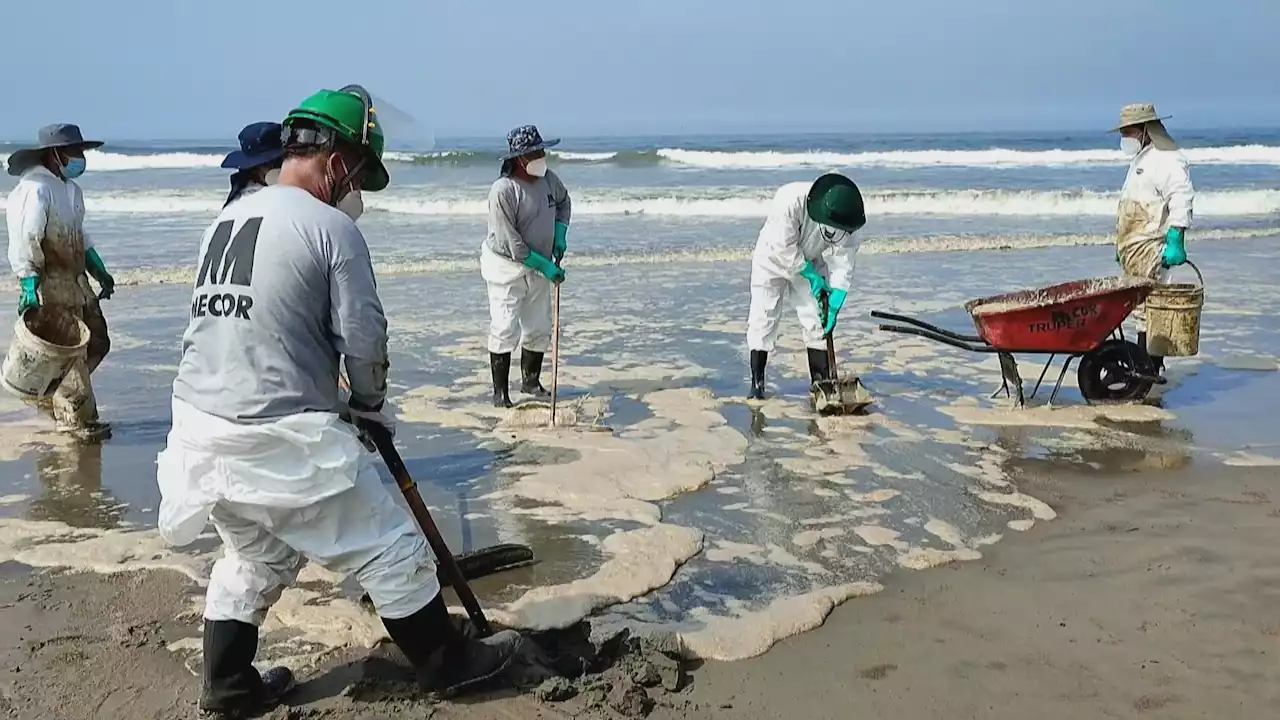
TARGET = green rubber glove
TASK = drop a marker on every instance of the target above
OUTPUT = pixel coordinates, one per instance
(835, 301)
(561, 244)
(28, 298)
(817, 283)
(544, 266)
(1175, 248)
(98, 271)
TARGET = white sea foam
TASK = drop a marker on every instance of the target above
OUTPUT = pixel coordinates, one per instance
(721, 202)
(987, 157)
(754, 203)
(435, 265)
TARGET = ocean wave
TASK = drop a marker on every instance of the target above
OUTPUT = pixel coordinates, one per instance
(752, 203)
(99, 161)
(743, 160)
(990, 157)
(436, 265)
(728, 202)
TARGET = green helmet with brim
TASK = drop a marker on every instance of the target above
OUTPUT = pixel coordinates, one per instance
(835, 200)
(346, 115)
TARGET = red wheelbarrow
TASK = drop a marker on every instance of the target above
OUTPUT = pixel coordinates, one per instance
(1081, 320)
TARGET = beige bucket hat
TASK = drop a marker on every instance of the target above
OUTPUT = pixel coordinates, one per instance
(1138, 114)
(1145, 114)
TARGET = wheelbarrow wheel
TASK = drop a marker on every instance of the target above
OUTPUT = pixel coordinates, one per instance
(1117, 371)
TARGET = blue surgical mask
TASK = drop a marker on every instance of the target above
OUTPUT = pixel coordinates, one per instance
(74, 168)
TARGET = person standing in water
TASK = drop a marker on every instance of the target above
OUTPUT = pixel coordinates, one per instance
(257, 163)
(262, 443)
(805, 250)
(50, 253)
(1156, 203)
(529, 211)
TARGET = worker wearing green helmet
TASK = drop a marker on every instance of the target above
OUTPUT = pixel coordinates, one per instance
(263, 443)
(804, 259)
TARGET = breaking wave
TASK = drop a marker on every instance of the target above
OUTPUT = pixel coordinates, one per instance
(724, 202)
(744, 160)
(434, 264)
(990, 157)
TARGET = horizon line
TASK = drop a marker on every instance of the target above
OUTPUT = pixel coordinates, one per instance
(498, 138)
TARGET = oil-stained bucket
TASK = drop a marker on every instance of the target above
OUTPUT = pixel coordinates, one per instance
(35, 365)
(1173, 318)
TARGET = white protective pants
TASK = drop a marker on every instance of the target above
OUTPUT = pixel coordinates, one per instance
(519, 305)
(768, 297)
(1140, 253)
(361, 531)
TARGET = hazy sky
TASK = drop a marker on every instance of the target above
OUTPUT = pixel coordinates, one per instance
(192, 69)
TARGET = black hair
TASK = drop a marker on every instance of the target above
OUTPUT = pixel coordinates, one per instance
(239, 183)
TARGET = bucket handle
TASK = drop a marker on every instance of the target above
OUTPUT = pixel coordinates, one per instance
(1198, 275)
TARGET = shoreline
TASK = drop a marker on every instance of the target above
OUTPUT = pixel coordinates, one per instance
(1153, 592)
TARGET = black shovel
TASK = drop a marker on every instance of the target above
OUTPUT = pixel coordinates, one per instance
(833, 396)
(456, 570)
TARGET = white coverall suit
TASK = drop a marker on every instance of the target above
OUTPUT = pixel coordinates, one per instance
(47, 239)
(522, 218)
(253, 446)
(1157, 195)
(789, 238)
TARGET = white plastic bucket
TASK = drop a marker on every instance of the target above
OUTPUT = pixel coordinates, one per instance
(34, 366)
(1173, 318)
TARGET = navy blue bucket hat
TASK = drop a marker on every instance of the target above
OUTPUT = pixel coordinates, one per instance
(524, 140)
(260, 143)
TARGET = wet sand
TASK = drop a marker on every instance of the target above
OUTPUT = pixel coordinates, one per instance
(1154, 594)
(726, 526)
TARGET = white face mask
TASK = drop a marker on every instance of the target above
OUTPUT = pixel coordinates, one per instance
(1130, 146)
(352, 204)
(537, 168)
(273, 177)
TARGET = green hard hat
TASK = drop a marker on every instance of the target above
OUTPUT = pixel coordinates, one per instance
(836, 201)
(343, 112)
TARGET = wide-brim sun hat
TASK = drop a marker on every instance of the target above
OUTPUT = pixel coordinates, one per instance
(1138, 114)
(58, 135)
(835, 200)
(526, 139)
(260, 144)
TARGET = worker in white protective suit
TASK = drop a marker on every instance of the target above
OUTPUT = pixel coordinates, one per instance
(50, 253)
(257, 163)
(529, 211)
(262, 443)
(1156, 203)
(805, 252)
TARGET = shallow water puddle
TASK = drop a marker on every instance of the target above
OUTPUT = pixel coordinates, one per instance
(731, 524)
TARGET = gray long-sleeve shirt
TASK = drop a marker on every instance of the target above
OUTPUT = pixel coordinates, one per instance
(523, 215)
(284, 287)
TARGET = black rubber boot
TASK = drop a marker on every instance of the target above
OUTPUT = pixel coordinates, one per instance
(233, 689)
(759, 359)
(819, 365)
(531, 373)
(447, 661)
(1157, 361)
(500, 365)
